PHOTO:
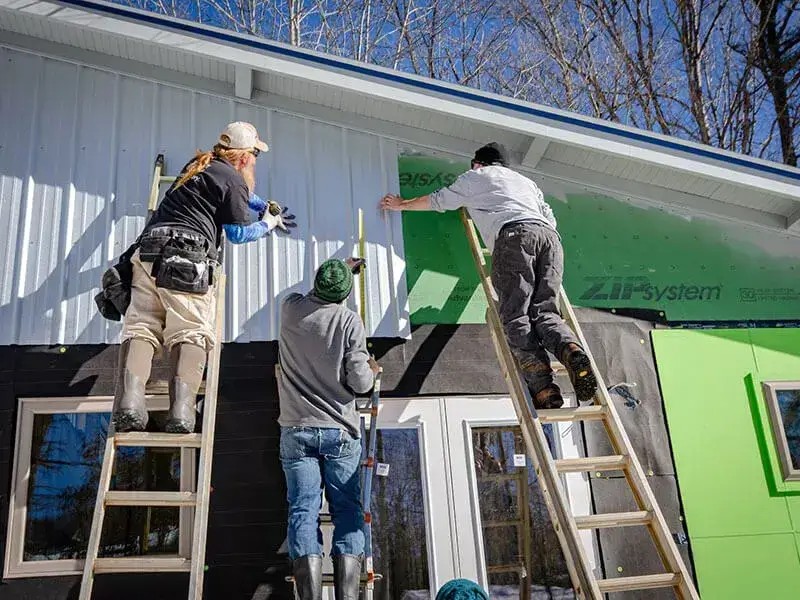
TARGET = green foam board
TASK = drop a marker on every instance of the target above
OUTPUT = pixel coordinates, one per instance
(718, 459)
(757, 567)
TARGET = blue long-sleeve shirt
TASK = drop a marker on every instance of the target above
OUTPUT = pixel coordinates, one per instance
(241, 234)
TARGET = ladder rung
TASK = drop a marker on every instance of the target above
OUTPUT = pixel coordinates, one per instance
(143, 564)
(125, 498)
(595, 463)
(639, 582)
(608, 520)
(581, 413)
(147, 439)
(486, 252)
(167, 178)
(327, 578)
(160, 387)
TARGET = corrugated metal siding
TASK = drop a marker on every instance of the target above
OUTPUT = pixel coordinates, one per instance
(76, 157)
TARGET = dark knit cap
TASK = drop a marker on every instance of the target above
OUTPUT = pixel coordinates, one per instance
(492, 154)
(333, 281)
(461, 589)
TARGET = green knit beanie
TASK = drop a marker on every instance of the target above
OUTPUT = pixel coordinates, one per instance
(461, 589)
(334, 280)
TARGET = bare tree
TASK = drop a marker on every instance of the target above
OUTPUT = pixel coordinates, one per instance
(776, 44)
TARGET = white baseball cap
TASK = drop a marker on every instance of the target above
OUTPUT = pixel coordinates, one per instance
(241, 136)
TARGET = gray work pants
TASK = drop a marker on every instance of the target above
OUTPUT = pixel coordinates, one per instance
(527, 266)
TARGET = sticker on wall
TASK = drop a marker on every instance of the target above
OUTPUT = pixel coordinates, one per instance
(519, 460)
(382, 470)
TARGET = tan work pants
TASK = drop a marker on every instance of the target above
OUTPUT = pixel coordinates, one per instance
(166, 317)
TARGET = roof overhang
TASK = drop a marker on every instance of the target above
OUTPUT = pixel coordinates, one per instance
(425, 112)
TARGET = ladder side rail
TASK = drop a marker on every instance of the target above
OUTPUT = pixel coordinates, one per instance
(366, 491)
(87, 579)
(200, 533)
(637, 480)
(158, 169)
(538, 448)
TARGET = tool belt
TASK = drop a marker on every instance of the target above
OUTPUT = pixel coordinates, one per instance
(183, 261)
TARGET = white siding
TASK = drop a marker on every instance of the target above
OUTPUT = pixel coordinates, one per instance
(76, 158)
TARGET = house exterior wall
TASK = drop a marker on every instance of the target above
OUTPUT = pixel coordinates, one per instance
(744, 526)
(76, 162)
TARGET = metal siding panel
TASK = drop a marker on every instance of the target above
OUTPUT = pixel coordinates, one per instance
(370, 179)
(86, 251)
(18, 109)
(43, 277)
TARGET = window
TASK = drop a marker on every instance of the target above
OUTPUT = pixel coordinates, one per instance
(522, 553)
(783, 399)
(398, 510)
(59, 453)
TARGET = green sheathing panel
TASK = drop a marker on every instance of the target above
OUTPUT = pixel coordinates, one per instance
(619, 254)
(744, 532)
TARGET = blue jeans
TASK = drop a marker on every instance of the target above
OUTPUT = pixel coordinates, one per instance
(314, 459)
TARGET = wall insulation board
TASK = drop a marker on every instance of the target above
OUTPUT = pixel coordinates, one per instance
(77, 148)
(745, 537)
(619, 253)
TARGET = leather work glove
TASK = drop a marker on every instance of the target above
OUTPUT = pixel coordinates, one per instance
(277, 217)
(356, 265)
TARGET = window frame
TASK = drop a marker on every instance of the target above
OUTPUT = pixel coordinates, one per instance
(14, 565)
(788, 471)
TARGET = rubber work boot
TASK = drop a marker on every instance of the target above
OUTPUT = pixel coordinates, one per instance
(133, 371)
(307, 571)
(580, 372)
(548, 398)
(346, 576)
(188, 362)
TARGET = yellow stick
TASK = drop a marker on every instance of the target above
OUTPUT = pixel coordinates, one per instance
(362, 286)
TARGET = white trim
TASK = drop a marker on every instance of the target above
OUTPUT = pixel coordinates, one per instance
(788, 471)
(243, 86)
(14, 565)
(424, 415)
(535, 152)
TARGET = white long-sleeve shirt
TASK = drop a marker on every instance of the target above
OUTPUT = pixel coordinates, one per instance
(495, 196)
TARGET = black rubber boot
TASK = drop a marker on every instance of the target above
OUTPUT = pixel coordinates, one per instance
(188, 363)
(346, 576)
(307, 571)
(580, 372)
(549, 397)
(133, 371)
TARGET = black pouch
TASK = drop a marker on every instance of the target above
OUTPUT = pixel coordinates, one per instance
(153, 243)
(183, 266)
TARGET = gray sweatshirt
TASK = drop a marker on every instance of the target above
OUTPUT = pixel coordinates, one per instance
(495, 196)
(323, 354)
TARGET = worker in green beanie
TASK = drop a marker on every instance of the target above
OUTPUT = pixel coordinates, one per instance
(324, 364)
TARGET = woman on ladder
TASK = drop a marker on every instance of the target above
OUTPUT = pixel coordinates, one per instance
(173, 264)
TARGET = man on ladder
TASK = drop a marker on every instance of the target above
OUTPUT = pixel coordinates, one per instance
(173, 264)
(527, 265)
(324, 363)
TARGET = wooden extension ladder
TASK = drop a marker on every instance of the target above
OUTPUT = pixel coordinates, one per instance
(548, 470)
(192, 499)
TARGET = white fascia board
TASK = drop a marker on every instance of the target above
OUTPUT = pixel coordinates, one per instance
(238, 48)
(625, 189)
